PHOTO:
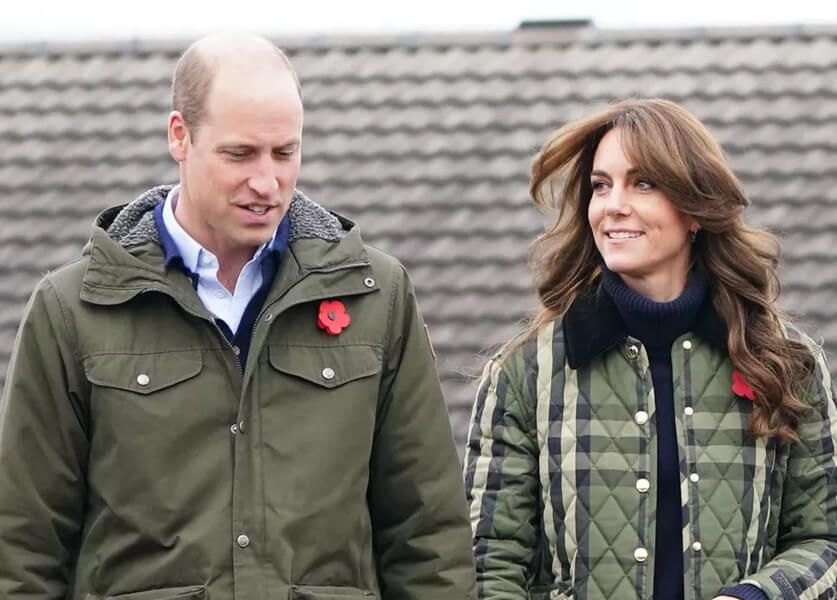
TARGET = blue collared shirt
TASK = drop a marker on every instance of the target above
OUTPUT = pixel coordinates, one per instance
(236, 312)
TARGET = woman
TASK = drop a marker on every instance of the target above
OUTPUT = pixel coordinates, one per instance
(660, 430)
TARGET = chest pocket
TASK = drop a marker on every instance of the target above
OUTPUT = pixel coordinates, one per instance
(327, 367)
(144, 392)
(320, 403)
(143, 373)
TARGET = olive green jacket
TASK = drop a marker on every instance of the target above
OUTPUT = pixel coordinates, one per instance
(561, 471)
(138, 461)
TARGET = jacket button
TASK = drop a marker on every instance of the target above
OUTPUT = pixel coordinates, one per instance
(641, 417)
(696, 546)
(633, 351)
(642, 485)
(241, 426)
(328, 373)
(687, 345)
(243, 541)
(143, 379)
(268, 317)
(640, 554)
(369, 282)
(234, 428)
(694, 477)
(689, 411)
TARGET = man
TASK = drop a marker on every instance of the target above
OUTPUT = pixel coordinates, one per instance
(229, 395)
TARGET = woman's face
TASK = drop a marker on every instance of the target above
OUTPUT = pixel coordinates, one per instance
(639, 232)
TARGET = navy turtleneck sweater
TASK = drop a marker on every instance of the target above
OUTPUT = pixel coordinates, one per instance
(657, 325)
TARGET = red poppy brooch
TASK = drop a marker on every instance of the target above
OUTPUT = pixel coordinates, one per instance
(333, 317)
(741, 387)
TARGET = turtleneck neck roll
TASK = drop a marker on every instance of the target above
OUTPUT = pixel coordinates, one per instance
(656, 324)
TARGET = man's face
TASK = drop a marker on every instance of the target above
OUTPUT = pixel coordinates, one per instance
(238, 168)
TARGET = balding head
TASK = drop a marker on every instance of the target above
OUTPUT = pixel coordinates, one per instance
(204, 59)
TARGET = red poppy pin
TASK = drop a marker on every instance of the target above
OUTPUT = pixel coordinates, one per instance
(741, 387)
(333, 317)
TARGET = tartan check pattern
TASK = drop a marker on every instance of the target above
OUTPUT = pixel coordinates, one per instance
(554, 455)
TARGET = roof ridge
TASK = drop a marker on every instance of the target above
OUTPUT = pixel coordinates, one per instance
(557, 34)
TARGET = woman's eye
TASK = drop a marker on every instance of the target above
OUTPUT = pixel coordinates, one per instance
(644, 185)
(597, 185)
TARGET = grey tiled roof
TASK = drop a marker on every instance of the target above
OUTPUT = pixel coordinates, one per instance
(426, 142)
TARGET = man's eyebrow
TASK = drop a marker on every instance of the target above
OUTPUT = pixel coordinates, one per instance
(242, 145)
(233, 144)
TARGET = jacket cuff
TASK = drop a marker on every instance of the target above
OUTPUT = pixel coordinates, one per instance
(744, 591)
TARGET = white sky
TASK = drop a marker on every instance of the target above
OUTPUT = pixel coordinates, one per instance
(56, 20)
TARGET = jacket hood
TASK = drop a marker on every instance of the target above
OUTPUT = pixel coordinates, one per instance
(125, 256)
(133, 224)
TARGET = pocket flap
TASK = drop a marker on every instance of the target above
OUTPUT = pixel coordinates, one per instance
(327, 592)
(143, 373)
(194, 592)
(328, 367)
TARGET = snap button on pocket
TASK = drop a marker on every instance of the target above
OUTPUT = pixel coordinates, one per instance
(143, 379)
(369, 282)
(328, 373)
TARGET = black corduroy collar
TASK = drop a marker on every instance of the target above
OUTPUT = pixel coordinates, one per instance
(593, 325)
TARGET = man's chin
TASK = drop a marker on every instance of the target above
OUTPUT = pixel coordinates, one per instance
(255, 241)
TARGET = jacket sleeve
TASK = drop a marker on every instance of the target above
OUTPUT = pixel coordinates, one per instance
(416, 499)
(43, 450)
(805, 565)
(501, 482)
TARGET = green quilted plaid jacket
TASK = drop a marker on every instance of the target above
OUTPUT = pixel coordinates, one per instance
(561, 464)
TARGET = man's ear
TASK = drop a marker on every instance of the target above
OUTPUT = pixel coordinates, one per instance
(178, 136)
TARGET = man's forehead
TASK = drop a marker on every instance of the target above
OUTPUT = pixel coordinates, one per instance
(245, 110)
(274, 86)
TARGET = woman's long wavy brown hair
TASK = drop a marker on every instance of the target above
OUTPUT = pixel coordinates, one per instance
(675, 150)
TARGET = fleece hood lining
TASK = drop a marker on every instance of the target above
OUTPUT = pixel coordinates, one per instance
(134, 225)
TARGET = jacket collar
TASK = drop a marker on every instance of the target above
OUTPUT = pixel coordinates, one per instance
(593, 325)
(126, 256)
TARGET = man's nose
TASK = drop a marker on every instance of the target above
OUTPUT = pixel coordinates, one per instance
(263, 181)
